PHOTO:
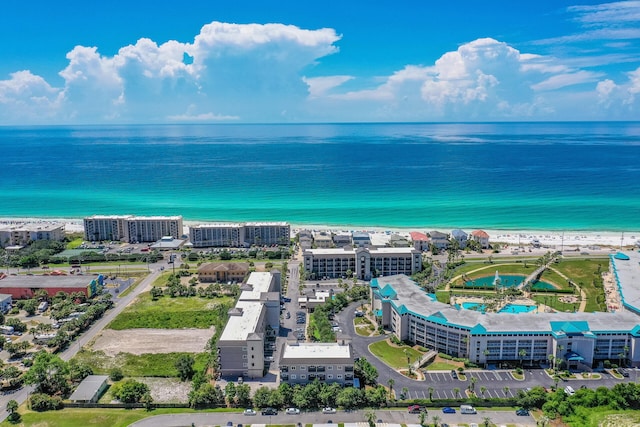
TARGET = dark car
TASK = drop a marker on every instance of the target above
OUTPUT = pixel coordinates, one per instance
(454, 374)
(522, 412)
(448, 410)
(269, 411)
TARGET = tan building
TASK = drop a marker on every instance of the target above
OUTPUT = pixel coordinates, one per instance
(223, 272)
(303, 363)
(20, 234)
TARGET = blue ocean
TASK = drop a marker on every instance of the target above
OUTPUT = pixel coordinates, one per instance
(535, 176)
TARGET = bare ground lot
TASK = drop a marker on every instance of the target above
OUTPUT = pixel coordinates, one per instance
(154, 341)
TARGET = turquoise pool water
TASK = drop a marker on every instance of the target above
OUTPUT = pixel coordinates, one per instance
(472, 306)
(506, 280)
(517, 308)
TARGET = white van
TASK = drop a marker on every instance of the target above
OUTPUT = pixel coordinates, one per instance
(467, 409)
(569, 390)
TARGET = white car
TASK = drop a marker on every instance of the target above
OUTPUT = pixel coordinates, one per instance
(249, 411)
(292, 411)
(328, 410)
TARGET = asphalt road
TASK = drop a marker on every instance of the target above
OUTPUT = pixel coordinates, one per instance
(386, 416)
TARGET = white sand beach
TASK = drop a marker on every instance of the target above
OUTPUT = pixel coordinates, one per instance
(552, 239)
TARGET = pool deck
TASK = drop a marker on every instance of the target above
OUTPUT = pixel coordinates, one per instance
(541, 308)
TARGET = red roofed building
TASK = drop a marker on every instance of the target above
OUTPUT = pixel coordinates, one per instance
(481, 237)
(420, 241)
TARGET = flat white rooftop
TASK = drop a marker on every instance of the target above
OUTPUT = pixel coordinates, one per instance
(313, 351)
(260, 281)
(239, 327)
(217, 225)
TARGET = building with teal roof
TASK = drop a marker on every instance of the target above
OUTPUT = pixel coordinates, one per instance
(582, 340)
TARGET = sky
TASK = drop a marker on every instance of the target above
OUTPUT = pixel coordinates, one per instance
(159, 61)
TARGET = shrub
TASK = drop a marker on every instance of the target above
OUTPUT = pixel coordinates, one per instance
(115, 374)
(43, 402)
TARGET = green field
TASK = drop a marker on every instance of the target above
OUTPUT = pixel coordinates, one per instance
(173, 313)
(586, 274)
(440, 366)
(94, 417)
(394, 356)
(144, 365)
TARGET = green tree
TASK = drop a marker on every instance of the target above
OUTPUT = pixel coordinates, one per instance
(436, 420)
(364, 370)
(230, 393)
(390, 383)
(243, 395)
(115, 374)
(350, 398)
(371, 418)
(30, 306)
(49, 374)
(184, 365)
(423, 417)
(79, 370)
(129, 391)
(486, 421)
(12, 408)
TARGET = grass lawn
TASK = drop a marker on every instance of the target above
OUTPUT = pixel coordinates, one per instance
(441, 366)
(584, 272)
(603, 417)
(173, 313)
(553, 302)
(144, 365)
(94, 417)
(394, 356)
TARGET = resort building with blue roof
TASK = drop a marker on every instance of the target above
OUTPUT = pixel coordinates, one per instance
(582, 340)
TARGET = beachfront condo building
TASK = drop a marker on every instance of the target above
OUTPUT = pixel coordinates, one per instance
(20, 234)
(250, 333)
(132, 229)
(217, 235)
(581, 340)
(239, 235)
(363, 263)
(303, 363)
(267, 233)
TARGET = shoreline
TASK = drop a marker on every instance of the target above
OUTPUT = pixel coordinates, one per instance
(567, 238)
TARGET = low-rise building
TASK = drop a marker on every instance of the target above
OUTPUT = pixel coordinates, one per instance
(360, 238)
(322, 239)
(21, 233)
(6, 302)
(481, 237)
(439, 240)
(460, 237)
(90, 389)
(222, 272)
(303, 363)
(420, 241)
(25, 286)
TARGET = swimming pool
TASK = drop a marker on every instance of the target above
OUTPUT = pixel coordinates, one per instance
(517, 308)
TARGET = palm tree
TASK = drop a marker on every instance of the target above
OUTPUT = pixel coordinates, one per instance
(456, 391)
(436, 421)
(483, 389)
(390, 383)
(486, 421)
(405, 392)
(431, 389)
(522, 353)
(506, 390)
(371, 418)
(472, 384)
(423, 416)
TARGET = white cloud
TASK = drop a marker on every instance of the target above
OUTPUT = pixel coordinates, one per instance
(320, 86)
(202, 117)
(25, 96)
(566, 79)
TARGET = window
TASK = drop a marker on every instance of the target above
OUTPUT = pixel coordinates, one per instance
(329, 376)
(339, 377)
(244, 356)
(244, 365)
(244, 349)
(329, 368)
(303, 377)
(293, 376)
(293, 368)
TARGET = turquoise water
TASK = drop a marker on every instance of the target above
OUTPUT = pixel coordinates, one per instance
(474, 306)
(507, 281)
(517, 308)
(520, 176)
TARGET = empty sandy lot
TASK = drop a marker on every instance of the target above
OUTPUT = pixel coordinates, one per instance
(142, 341)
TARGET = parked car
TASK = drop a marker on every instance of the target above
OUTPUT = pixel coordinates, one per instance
(415, 409)
(328, 410)
(522, 412)
(454, 374)
(448, 410)
(269, 411)
(249, 411)
(292, 411)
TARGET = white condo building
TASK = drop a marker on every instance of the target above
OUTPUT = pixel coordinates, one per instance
(363, 263)
(132, 229)
(237, 235)
(576, 338)
(252, 327)
(22, 233)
